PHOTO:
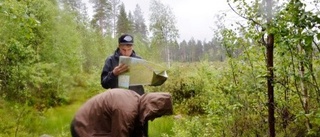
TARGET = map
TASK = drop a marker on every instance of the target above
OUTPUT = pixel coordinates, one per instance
(141, 72)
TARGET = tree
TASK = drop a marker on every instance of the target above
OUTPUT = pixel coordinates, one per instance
(78, 9)
(102, 16)
(38, 53)
(131, 22)
(183, 51)
(163, 29)
(198, 50)
(287, 33)
(301, 35)
(123, 23)
(270, 78)
(114, 15)
(74, 5)
(191, 50)
(140, 28)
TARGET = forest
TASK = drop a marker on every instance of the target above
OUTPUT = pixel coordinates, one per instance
(259, 77)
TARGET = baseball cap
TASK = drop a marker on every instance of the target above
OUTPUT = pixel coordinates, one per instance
(125, 39)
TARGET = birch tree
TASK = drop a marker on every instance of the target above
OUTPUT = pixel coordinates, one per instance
(163, 28)
(114, 13)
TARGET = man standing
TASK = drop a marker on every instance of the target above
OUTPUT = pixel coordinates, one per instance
(119, 113)
(112, 69)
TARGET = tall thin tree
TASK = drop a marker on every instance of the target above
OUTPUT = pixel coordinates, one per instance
(163, 27)
(114, 13)
(270, 78)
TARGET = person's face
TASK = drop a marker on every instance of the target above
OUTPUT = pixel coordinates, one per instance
(126, 49)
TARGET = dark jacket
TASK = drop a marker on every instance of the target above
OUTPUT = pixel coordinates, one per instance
(118, 113)
(109, 80)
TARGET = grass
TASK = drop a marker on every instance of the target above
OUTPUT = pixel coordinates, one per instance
(57, 120)
(161, 126)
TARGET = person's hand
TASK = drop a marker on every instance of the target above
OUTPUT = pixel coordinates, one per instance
(121, 68)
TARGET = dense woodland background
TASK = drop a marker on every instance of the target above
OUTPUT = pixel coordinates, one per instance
(258, 78)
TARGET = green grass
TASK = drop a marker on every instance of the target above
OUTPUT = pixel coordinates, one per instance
(57, 120)
(161, 126)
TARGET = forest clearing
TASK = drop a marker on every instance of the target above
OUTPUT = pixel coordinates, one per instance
(258, 78)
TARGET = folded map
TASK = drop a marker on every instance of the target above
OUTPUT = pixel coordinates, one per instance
(141, 72)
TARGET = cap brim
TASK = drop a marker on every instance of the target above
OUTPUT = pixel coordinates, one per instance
(126, 43)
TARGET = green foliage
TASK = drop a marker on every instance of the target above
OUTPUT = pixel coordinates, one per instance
(295, 34)
(233, 100)
(23, 120)
(102, 16)
(163, 30)
(22, 22)
(162, 23)
(18, 120)
(192, 127)
(124, 25)
(44, 50)
(49, 58)
(140, 28)
(189, 85)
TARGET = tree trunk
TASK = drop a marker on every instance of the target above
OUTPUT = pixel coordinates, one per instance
(304, 90)
(270, 47)
(168, 56)
(271, 118)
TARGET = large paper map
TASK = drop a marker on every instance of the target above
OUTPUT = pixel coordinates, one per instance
(141, 72)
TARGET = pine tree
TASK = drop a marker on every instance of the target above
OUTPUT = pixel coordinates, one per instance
(102, 16)
(123, 23)
(140, 28)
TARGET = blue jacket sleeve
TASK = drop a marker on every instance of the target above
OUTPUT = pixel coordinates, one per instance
(108, 79)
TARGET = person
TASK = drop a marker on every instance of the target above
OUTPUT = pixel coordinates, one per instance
(112, 69)
(119, 113)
